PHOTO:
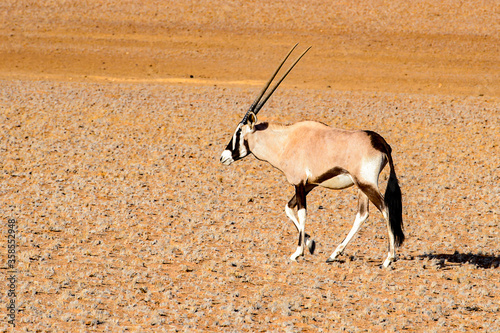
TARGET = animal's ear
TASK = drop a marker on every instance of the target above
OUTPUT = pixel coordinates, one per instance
(252, 120)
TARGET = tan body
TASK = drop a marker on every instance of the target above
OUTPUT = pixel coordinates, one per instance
(307, 151)
(312, 154)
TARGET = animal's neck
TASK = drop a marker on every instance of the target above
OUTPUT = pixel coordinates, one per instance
(267, 143)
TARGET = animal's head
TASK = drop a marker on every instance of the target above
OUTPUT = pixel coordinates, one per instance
(238, 145)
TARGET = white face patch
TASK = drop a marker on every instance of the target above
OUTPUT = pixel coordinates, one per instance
(226, 158)
(235, 136)
(242, 148)
(240, 145)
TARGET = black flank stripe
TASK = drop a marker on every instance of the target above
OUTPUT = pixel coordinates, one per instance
(330, 174)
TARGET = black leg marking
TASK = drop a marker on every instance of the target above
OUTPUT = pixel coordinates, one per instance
(300, 195)
(373, 194)
(312, 244)
(293, 201)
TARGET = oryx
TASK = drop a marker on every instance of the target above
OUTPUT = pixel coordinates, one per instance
(312, 154)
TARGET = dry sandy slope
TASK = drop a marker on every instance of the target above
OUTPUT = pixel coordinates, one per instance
(449, 47)
(127, 220)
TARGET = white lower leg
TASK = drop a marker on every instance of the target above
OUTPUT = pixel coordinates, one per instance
(357, 224)
(389, 259)
(289, 212)
(299, 252)
(291, 216)
(391, 255)
(337, 252)
(310, 243)
(302, 222)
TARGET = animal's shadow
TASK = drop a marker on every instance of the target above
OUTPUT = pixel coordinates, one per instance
(479, 260)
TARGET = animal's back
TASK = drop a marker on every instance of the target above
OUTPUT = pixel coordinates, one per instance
(316, 149)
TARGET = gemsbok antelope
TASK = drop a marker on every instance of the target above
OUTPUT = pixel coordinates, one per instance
(312, 154)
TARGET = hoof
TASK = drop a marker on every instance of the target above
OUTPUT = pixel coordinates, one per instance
(311, 245)
(388, 261)
(296, 254)
(330, 260)
(334, 257)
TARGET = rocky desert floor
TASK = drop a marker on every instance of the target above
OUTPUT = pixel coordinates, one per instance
(113, 115)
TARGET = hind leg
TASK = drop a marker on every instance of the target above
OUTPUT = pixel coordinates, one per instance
(361, 217)
(378, 200)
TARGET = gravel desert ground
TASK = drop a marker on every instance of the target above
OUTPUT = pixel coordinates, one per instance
(113, 116)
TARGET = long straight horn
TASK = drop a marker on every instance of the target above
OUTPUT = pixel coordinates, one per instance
(261, 104)
(254, 104)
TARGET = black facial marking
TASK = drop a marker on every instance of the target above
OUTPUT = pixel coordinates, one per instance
(236, 151)
(230, 145)
(237, 136)
(245, 142)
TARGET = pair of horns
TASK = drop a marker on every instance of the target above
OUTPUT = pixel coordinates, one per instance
(259, 101)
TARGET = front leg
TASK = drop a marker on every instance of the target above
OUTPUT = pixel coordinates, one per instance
(289, 210)
(300, 195)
